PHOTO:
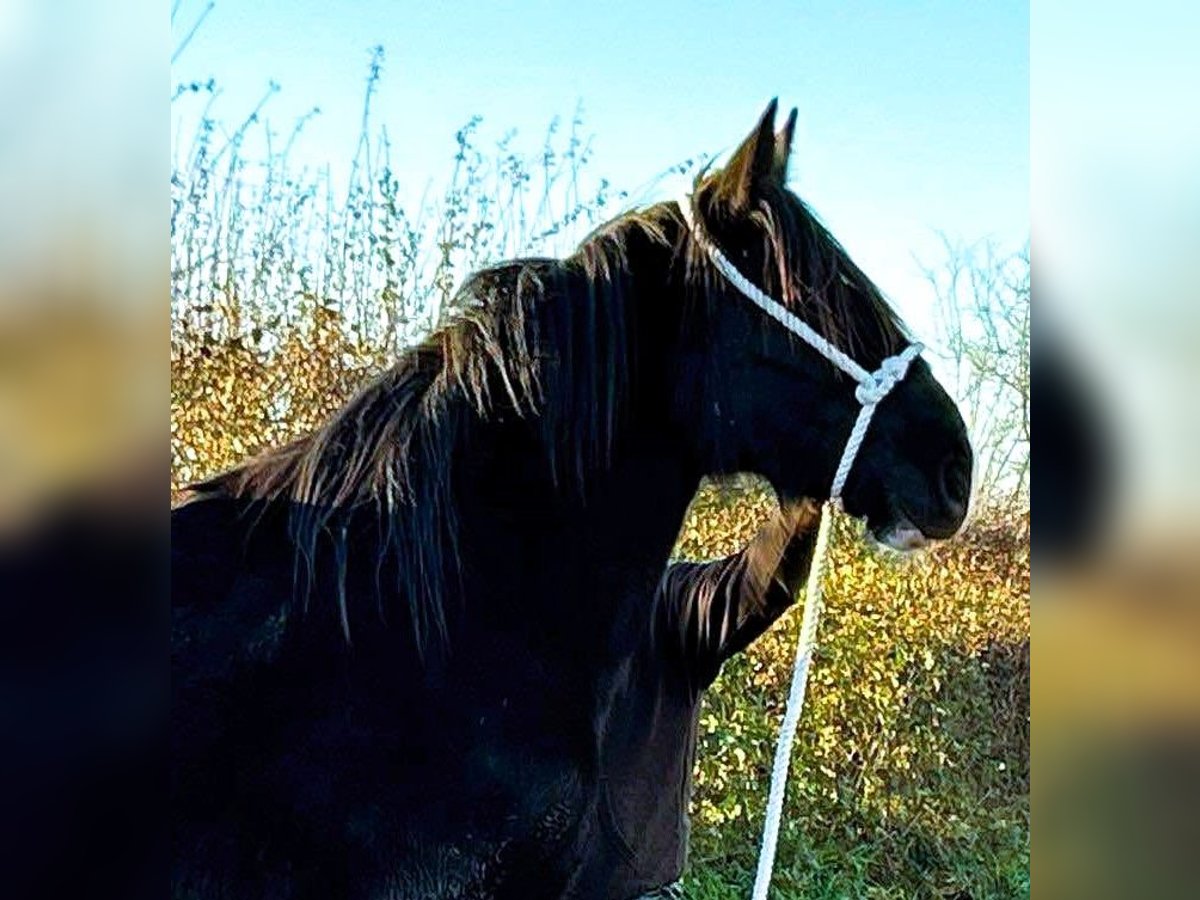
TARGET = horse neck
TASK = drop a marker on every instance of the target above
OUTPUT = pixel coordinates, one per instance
(581, 566)
(621, 516)
(629, 508)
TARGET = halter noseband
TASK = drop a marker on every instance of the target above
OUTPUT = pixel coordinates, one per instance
(872, 386)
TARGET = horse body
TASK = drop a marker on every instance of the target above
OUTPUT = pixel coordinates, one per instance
(399, 642)
(378, 768)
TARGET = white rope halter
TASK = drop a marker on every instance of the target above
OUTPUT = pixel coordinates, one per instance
(872, 388)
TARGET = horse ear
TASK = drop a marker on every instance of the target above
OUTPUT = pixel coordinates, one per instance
(752, 164)
(783, 147)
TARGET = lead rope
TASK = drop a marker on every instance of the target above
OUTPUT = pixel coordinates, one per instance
(872, 388)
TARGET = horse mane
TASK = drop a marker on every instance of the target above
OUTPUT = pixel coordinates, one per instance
(388, 456)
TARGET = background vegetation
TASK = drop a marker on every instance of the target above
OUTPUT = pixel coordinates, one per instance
(911, 773)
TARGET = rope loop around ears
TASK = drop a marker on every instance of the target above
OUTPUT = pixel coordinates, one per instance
(872, 388)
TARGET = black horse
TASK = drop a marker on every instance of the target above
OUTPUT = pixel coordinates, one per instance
(400, 641)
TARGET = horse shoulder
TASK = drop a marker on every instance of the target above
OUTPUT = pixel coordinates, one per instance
(229, 605)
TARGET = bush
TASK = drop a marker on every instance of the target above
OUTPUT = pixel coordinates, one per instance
(910, 775)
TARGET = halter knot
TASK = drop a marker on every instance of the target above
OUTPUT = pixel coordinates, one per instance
(871, 392)
(890, 373)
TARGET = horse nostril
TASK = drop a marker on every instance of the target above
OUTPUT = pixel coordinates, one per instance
(955, 483)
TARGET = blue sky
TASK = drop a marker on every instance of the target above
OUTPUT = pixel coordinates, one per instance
(914, 116)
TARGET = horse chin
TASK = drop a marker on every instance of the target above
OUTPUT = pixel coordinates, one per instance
(901, 535)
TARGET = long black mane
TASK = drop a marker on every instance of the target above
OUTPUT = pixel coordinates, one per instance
(548, 342)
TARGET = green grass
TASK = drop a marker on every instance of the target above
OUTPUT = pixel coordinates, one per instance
(876, 869)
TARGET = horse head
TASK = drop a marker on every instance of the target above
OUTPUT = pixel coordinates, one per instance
(770, 403)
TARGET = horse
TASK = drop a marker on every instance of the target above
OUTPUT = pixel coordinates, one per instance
(398, 640)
